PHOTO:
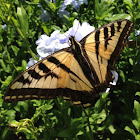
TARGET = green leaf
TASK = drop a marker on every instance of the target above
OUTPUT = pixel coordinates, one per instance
(58, 3)
(48, 107)
(1, 38)
(118, 16)
(51, 6)
(136, 124)
(24, 130)
(137, 16)
(15, 49)
(1, 102)
(112, 129)
(108, 121)
(7, 5)
(4, 133)
(99, 104)
(75, 14)
(80, 133)
(137, 93)
(2, 64)
(24, 64)
(65, 133)
(15, 123)
(21, 106)
(15, 21)
(122, 75)
(128, 1)
(11, 115)
(33, 2)
(105, 13)
(8, 80)
(130, 130)
(138, 137)
(36, 1)
(137, 110)
(56, 27)
(131, 61)
(23, 20)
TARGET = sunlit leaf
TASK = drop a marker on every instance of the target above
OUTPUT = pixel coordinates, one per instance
(24, 64)
(131, 61)
(122, 75)
(15, 49)
(137, 110)
(136, 124)
(130, 130)
(112, 129)
(137, 93)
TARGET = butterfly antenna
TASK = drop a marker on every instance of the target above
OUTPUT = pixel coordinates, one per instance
(77, 29)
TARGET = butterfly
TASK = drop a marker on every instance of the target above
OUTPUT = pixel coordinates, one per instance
(77, 73)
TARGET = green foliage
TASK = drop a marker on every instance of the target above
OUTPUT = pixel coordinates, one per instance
(116, 115)
(135, 130)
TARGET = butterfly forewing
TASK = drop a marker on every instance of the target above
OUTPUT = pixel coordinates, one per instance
(74, 76)
(57, 75)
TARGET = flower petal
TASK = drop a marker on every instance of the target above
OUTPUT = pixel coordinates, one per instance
(67, 2)
(31, 62)
(82, 1)
(4, 27)
(41, 39)
(115, 74)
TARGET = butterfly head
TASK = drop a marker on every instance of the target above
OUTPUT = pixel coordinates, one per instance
(75, 45)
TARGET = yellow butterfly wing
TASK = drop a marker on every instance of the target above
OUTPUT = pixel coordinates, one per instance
(103, 47)
(57, 75)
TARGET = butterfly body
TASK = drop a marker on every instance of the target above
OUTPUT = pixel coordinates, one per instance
(78, 73)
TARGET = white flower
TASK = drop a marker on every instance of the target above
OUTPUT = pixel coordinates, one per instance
(4, 27)
(115, 74)
(76, 3)
(137, 32)
(82, 1)
(50, 0)
(31, 62)
(114, 82)
(48, 45)
(78, 31)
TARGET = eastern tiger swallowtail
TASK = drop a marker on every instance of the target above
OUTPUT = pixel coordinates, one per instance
(78, 73)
